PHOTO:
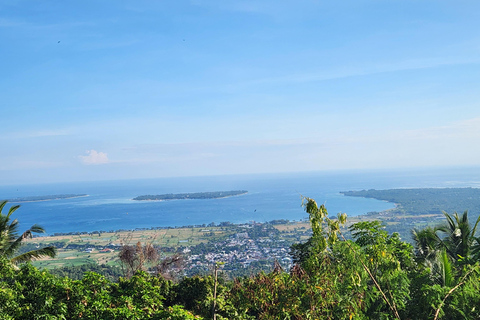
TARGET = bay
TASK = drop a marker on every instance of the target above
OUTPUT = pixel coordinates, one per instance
(109, 205)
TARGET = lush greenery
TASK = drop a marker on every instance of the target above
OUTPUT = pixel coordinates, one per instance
(11, 241)
(112, 273)
(373, 275)
(195, 195)
(426, 200)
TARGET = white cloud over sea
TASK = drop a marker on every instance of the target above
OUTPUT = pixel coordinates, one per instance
(94, 157)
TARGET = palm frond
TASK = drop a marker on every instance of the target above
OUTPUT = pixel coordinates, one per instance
(2, 204)
(449, 226)
(12, 230)
(11, 210)
(474, 230)
(10, 242)
(13, 246)
(35, 254)
(446, 269)
(37, 229)
(427, 243)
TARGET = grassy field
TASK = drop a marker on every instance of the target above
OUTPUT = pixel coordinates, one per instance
(171, 238)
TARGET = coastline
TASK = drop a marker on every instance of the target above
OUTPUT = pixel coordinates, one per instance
(191, 196)
(49, 199)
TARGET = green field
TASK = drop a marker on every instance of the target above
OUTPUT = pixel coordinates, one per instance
(71, 248)
(166, 238)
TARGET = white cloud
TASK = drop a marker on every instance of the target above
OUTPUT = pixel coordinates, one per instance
(94, 157)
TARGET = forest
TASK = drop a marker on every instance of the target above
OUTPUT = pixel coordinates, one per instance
(371, 275)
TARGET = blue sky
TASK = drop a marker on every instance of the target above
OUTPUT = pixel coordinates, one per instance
(94, 90)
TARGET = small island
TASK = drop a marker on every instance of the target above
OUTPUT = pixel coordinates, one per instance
(47, 198)
(191, 196)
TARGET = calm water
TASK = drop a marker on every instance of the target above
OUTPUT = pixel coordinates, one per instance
(109, 205)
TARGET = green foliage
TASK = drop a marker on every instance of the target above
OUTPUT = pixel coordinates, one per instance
(459, 236)
(11, 241)
(196, 294)
(335, 289)
(426, 200)
(8, 290)
(176, 313)
(390, 263)
(333, 279)
(112, 273)
(41, 294)
(32, 294)
(448, 286)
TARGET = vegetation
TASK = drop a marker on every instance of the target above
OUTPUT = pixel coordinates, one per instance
(11, 241)
(372, 275)
(191, 196)
(112, 273)
(421, 201)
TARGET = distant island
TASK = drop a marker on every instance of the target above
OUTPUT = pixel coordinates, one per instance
(47, 198)
(196, 195)
(426, 200)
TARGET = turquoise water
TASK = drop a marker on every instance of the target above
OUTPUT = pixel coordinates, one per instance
(109, 205)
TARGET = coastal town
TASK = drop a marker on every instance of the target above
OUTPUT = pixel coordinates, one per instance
(242, 249)
(257, 247)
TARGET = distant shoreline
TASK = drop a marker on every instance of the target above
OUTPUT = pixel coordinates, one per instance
(421, 201)
(191, 196)
(47, 198)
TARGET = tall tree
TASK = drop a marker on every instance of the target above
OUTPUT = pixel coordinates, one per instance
(11, 241)
(459, 237)
(431, 253)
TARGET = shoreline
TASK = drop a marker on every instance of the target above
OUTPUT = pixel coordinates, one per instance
(191, 196)
(48, 199)
(160, 200)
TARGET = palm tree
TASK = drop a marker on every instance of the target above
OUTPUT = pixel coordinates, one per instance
(430, 252)
(427, 244)
(439, 254)
(459, 237)
(10, 241)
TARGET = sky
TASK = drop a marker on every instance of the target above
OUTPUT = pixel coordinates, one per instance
(102, 90)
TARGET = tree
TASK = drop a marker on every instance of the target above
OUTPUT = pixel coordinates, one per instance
(447, 253)
(427, 244)
(10, 241)
(134, 258)
(459, 235)
(431, 253)
(457, 246)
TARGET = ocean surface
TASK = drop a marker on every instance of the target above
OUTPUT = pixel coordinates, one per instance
(109, 204)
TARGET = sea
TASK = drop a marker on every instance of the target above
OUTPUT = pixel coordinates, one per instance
(109, 205)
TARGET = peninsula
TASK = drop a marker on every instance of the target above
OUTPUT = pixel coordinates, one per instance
(420, 201)
(196, 195)
(47, 198)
